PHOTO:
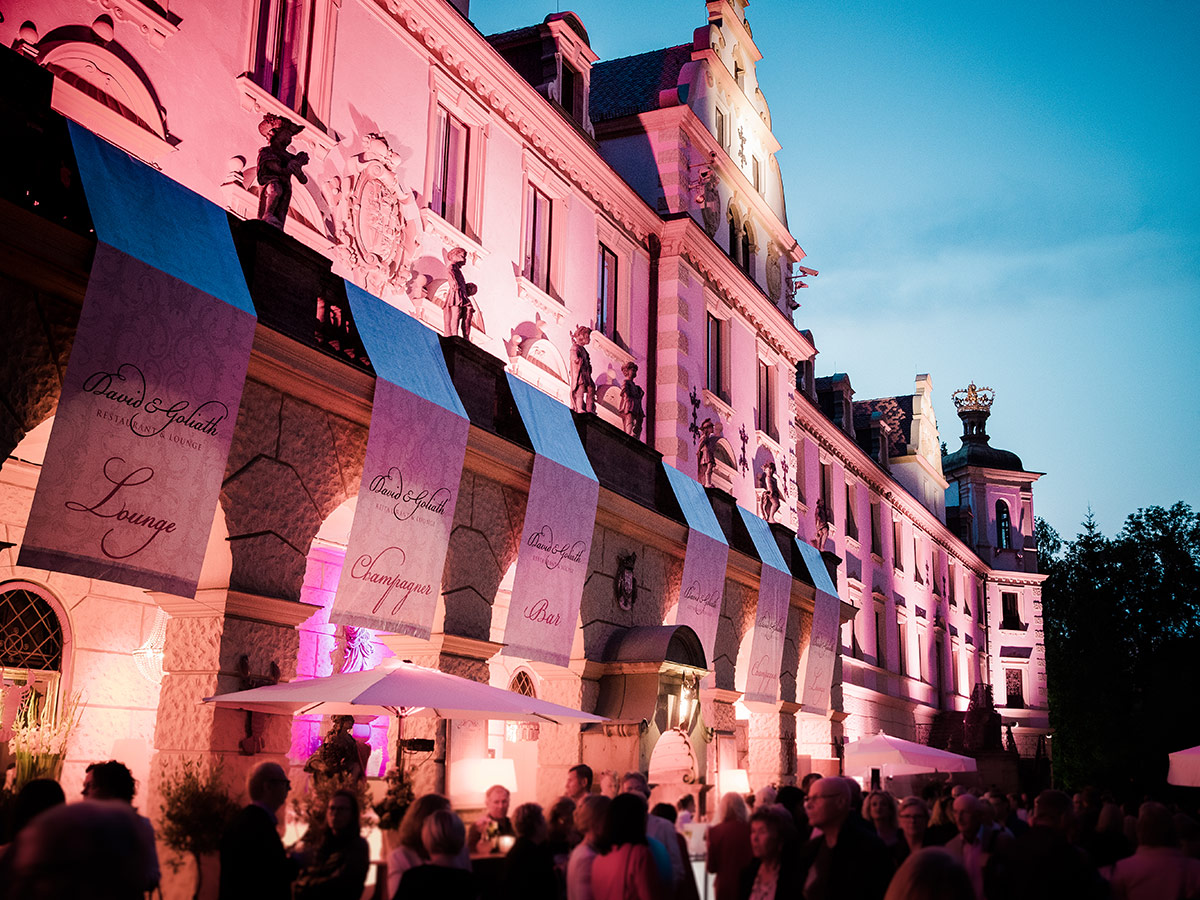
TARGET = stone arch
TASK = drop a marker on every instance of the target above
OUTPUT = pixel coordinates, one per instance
(482, 557)
(290, 466)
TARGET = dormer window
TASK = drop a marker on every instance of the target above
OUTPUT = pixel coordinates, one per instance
(571, 92)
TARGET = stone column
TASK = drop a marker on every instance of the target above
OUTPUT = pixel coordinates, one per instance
(206, 638)
(772, 746)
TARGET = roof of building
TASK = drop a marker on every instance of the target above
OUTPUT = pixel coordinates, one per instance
(631, 85)
(981, 455)
(896, 411)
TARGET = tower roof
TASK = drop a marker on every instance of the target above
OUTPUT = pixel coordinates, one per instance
(974, 405)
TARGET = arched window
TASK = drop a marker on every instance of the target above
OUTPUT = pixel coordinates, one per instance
(32, 641)
(734, 238)
(522, 684)
(745, 259)
(1003, 526)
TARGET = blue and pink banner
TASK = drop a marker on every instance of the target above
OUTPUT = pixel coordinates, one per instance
(770, 619)
(392, 576)
(702, 586)
(818, 657)
(142, 432)
(556, 540)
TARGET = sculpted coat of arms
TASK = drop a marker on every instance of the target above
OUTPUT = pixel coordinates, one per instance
(376, 218)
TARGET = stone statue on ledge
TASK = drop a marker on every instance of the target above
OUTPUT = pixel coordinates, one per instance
(583, 387)
(276, 166)
(460, 310)
(769, 493)
(706, 459)
(632, 412)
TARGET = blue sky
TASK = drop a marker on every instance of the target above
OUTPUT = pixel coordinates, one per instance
(1005, 193)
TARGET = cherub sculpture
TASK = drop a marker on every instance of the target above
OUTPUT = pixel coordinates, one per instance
(460, 310)
(706, 459)
(632, 412)
(583, 388)
(276, 166)
(769, 495)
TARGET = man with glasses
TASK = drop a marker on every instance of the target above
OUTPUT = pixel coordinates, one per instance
(253, 861)
(843, 861)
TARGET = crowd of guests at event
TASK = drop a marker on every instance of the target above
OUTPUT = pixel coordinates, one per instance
(820, 839)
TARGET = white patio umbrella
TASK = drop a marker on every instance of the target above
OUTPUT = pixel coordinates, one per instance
(1185, 767)
(400, 689)
(894, 756)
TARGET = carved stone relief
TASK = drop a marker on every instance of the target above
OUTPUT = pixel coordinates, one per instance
(773, 273)
(376, 219)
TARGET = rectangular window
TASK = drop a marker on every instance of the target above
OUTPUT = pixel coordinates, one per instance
(756, 173)
(1010, 611)
(880, 638)
(898, 545)
(876, 530)
(801, 493)
(723, 130)
(537, 238)
(291, 53)
(1014, 689)
(448, 197)
(851, 520)
(917, 562)
(826, 497)
(765, 411)
(901, 647)
(979, 609)
(952, 581)
(606, 295)
(717, 358)
(954, 670)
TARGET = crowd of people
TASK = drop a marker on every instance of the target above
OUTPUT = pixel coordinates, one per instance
(820, 840)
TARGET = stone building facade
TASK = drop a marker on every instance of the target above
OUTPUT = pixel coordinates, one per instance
(639, 197)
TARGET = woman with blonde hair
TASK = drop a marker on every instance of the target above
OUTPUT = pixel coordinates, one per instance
(729, 849)
(930, 874)
(880, 810)
(410, 851)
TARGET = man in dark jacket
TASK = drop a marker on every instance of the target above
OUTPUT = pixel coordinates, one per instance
(254, 865)
(845, 861)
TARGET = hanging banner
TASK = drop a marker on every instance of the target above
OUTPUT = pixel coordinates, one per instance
(150, 396)
(556, 539)
(770, 620)
(703, 584)
(392, 576)
(818, 658)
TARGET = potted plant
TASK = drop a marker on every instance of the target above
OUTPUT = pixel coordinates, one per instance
(39, 741)
(196, 809)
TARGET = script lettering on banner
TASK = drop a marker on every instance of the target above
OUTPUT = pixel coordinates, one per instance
(398, 541)
(556, 539)
(818, 657)
(144, 424)
(770, 619)
(702, 586)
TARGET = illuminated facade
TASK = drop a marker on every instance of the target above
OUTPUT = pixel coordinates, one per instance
(639, 197)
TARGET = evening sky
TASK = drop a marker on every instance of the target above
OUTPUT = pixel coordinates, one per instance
(1004, 193)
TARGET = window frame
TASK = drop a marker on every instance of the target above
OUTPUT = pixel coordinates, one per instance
(766, 406)
(447, 96)
(1003, 525)
(851, 518)
(310, 50)
(717, 361)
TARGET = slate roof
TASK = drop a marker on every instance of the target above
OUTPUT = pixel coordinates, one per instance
(630, 85)
(864, 409)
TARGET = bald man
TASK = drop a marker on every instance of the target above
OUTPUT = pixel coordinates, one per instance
(254, 865)
(979, 845)
(845, 861)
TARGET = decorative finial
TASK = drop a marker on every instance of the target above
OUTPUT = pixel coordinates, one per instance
(974, 399)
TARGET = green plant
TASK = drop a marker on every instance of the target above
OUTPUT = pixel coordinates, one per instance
(196, 810)
(395, 802)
